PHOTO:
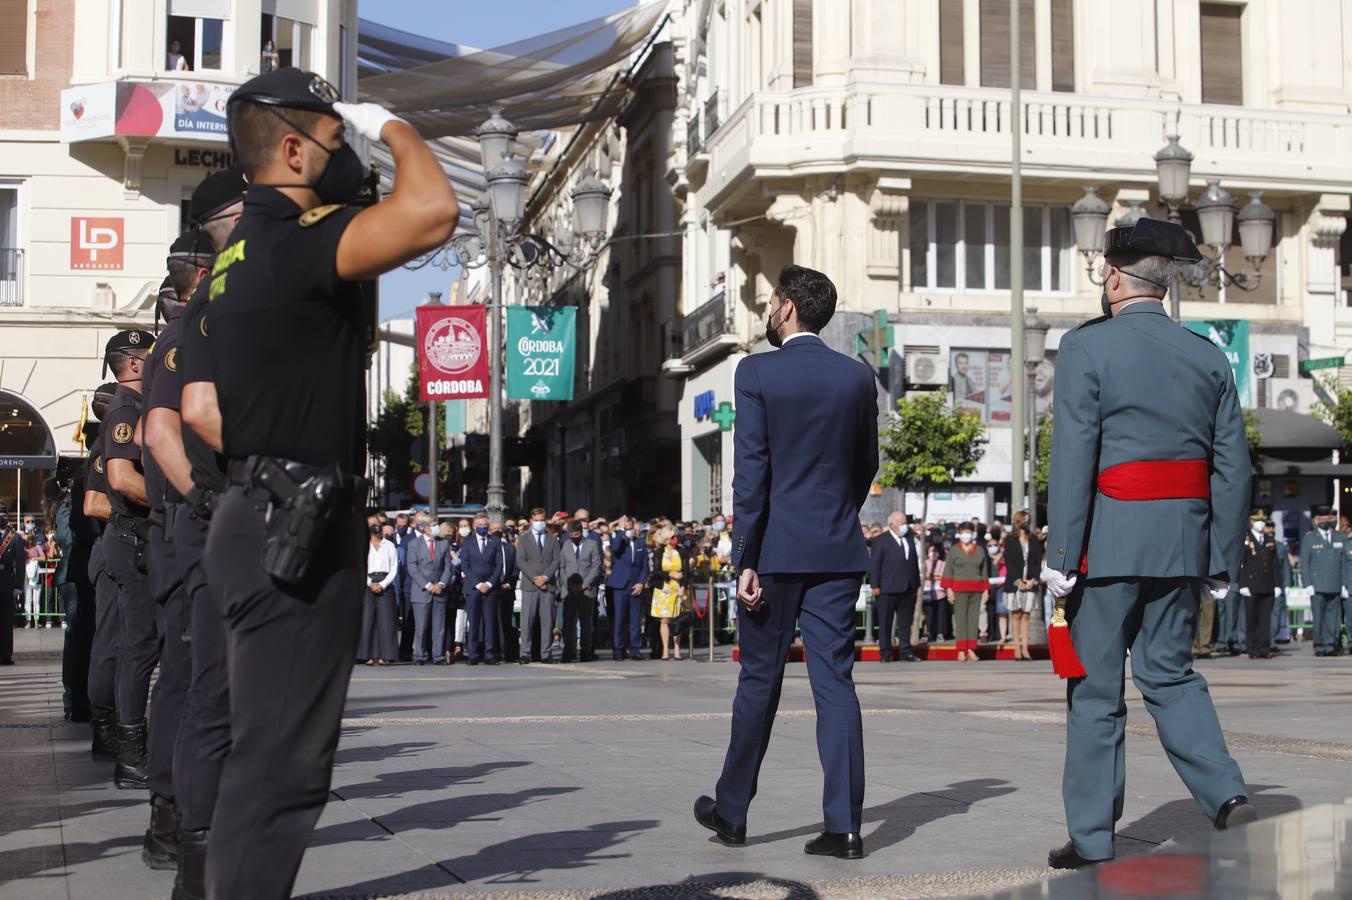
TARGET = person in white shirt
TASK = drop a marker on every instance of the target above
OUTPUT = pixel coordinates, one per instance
(176, 61)
(378, 643)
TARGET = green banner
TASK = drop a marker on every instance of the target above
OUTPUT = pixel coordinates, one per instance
(1232, 336)
(541, 350)
(456, 416)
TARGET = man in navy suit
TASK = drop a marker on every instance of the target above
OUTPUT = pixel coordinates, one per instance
(894, 576)
(481, 566)
(628, 576)
(806, 448)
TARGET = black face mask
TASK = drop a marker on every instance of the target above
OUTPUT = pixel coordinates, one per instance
(772, 330)
(343, 174)
(1105, 305)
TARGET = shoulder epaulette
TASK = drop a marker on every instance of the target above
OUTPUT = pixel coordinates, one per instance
(1094, 321)
(318, 214)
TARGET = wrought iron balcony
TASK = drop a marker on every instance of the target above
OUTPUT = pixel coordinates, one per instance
(694, 138)
(11, 277)
(709, 322)
(711, 117)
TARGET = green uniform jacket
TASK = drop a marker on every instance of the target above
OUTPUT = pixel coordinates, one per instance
(1141, 387)
(1324, 564)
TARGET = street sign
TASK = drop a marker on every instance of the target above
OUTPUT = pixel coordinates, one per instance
(541, 346)
(1327, 362)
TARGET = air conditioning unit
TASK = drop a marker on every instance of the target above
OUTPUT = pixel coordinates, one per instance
(925, 370)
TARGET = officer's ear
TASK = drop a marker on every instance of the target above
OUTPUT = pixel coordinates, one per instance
(292, 152)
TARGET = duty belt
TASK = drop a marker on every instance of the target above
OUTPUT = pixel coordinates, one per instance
(137, 525)
(244, 473)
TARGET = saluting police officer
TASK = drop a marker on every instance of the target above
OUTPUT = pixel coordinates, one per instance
(189, 260)
(1324, 568)
(103, 649)
(1149, 483)
(124, 549)
(1259, 584)
(284, 553)
(194, 479)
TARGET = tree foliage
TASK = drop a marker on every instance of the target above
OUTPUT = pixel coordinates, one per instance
(1042, 475)
(402, 420)
(1337, 412)
(1253, 433)
(927, 443)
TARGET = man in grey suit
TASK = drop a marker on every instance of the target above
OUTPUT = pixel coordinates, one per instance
(580, 557)
(1149, 490)
(428, 562)
(537, 557)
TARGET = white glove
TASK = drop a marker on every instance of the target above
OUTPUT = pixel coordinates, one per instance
(1344, 593)
(368, 119)
(1218, 588)
(1277, 592)
(1058, 583)
(1245, 592)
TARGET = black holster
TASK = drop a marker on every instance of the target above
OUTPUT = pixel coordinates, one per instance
(135, 531)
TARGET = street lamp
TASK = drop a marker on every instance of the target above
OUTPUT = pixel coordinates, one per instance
(495, 138)
(1035, 350)
(1089, 215)
(1216, 213)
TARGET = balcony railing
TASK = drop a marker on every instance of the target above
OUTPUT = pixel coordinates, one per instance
(708, 322)
(672, 338)
(694, 138)
(11, 277)
(712, 119)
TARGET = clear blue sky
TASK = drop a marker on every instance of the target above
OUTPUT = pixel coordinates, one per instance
(477, 24)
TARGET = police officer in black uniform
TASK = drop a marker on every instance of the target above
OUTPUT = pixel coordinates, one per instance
(101, 683)
(286, 335)
(124, 553)
(203, 719)
(1259, 581)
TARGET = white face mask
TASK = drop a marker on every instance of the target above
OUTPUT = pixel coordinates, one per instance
(966, 536)
(464, 532)
(719, 526)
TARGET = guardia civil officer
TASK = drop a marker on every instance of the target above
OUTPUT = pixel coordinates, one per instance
(194, 478)
(1260, 582)
(1324, 568)
(124, 553)
(102, 680)
(286, 338)
(1149, 485)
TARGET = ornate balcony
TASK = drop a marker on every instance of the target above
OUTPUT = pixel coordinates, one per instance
(699, 335)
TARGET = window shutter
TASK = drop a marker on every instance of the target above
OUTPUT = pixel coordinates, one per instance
(995, 44)
(1063, 45)
(802, 43)
(13, 37)
(951, 58)
(1222, 66)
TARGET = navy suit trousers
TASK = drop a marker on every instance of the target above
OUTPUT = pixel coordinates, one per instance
(823, 606)
(627, 621)
(481, 614)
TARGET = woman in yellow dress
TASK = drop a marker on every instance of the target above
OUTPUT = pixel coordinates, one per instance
(669, 585)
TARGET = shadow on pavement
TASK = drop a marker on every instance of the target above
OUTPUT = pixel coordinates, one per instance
(35, 817)
(394, 784)
(1179, 819)
(898, 819)
(54, 860)
(715, 885)
(380, 753)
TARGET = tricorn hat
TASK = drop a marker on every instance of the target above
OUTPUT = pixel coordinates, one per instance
(1152, 237)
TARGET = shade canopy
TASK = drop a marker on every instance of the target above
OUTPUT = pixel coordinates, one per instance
(1282, 428)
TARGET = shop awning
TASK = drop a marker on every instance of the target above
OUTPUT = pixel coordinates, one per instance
(1287, 429)
(1281, 468)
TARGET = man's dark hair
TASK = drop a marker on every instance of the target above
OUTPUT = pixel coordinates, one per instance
(117, 363)
(255, 131)
(962, 356)
(181, 275)
(811, 292)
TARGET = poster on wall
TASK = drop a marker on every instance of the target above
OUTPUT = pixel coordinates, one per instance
(980, 381)
(1232, 336)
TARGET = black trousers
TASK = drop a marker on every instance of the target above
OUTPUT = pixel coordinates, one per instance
(7, 617)
(291, 650)
(939, 612)
(379, 635)
(204, 735)
(171, 688)
(578, 608)
(901, 609)
(77, 598)
(140, 645)
(107, 640)
(1258, 623)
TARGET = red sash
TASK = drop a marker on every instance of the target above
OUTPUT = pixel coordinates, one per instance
(1158, 479)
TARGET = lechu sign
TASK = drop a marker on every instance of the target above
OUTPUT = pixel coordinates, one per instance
(452, 352)
(541, 346)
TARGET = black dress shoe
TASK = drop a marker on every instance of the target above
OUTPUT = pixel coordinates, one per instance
(473, 662)
(617, 657)
(159, 848)
(706, 813)
(842, 846)
(523, 662)
(911, 657)
(438, 662)
(1235, 812)
(421, 662)
(1067, 858)
(885, 659)
(490, 662)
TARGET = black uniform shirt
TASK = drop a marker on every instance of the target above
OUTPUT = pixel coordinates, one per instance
(97, 479)
(119, 430)
(287, 336)
(160, 388)
(194, 364)
(1258, 567)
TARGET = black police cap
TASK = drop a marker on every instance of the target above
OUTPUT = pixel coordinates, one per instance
(131, 339)
(107, 389)
(291, 88)
(194, 246)
(1322, 509)
(216, 192)
(1153, 238)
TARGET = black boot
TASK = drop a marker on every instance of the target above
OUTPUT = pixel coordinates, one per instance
(130, 773)
(190, 883)
(159, 850)
(105, 738)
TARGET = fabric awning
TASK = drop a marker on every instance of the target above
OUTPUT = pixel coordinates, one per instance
(1284, 428)
(1281, 468)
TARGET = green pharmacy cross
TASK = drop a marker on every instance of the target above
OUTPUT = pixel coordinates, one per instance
(725, 415)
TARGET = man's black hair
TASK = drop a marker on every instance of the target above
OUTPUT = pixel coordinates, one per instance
(117, 363)
(255, 130)
(812, 294)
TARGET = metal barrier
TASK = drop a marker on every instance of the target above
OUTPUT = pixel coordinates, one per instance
(49, 609)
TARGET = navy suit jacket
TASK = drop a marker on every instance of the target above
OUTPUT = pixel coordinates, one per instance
(890, 569)
(628, 562)
(480, 567)
(806, 452)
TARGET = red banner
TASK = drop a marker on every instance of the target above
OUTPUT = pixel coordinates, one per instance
(453, 352)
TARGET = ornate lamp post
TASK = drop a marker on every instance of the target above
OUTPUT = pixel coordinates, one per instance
(1035, 350)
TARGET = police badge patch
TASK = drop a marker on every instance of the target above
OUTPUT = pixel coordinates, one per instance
(122, 433)
(98, 464)
(171, 360)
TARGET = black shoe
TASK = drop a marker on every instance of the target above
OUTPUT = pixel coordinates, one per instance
(130, 772)
(1321, 653)
(911, 657)
(1067, 858)
(420, 662)
(438, 662)
(491, 662)
(568, 659)
(617, 656)
(1235, 812)
(590, 657)
(885, 659)
(706, 813)
(105, 738)
(841, 846)
(548, 660)
(523, 661)
(190, 883)
(159, 849)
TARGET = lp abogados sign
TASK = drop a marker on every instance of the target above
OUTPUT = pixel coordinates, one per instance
(453, 352)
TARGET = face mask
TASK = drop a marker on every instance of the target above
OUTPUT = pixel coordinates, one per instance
(771, 329)
(966, 537)
(464, 532)
(1105, 305)
(586, 531)
(577, 538)
(482, 531)
(537, 527)
(343, 172)
(719, 526)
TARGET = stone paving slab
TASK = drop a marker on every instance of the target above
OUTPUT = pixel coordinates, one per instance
(577, 781)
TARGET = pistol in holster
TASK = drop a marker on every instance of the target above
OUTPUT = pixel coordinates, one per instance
(302, 501)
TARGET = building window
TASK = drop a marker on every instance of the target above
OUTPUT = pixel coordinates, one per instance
(11, 256)
(951, 59)
(290, 42)
(1222, 54)
(964, 246)
(802, 43)
(1063, 45)
(14, 37)
(1345, 264)
(981, 383)
(194, 43)
(995, 44)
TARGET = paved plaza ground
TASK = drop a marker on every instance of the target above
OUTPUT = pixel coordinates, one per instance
(577, 781)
